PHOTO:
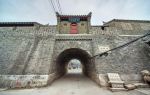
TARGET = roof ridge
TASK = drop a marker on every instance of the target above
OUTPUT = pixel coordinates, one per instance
(127, 20)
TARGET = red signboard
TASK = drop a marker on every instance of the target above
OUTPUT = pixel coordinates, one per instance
(73, 28)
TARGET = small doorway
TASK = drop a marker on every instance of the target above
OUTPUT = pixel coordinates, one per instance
(73, 28)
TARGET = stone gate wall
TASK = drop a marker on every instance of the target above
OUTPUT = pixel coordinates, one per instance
(25, 57)
(127, 61)
(28, 55)
(67, 41)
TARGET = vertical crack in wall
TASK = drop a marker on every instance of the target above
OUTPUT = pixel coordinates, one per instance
(32, 50)
(51, 57)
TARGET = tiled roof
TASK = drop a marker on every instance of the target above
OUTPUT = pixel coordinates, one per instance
(73, 15)
(2, 24)
(125, 20)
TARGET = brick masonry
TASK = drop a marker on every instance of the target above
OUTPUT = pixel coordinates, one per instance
(32, 53)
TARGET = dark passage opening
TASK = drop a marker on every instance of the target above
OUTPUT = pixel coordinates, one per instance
(80, 60)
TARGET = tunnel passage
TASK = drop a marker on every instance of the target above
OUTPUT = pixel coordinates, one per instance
(73, 53)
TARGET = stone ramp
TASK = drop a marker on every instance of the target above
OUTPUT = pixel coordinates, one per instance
(40, 57)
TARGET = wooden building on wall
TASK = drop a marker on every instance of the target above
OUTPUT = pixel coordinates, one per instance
(73, 24)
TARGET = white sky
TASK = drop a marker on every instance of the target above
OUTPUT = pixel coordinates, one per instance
(102, 10)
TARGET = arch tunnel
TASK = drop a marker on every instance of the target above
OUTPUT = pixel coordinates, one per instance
(63, 59)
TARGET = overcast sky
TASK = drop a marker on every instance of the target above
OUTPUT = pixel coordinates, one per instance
(102, 10)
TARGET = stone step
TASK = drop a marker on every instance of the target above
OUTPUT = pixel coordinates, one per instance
(3, 89)
(130, 86)
(117, 89)
(141, 85)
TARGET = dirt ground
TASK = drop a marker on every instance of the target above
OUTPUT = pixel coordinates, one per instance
(73, 84)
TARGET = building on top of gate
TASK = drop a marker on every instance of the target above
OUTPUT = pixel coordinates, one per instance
(30, 48)
(73, 24)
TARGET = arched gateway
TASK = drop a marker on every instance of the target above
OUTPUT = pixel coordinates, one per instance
(62, 58)
(68, 47)
(73, 53)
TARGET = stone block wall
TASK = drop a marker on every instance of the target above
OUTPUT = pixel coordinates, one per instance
(40, 59)
(25, 57)
(131, 27)
(14, 51)
(128, 61)
(23, 81)
(28, 55)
